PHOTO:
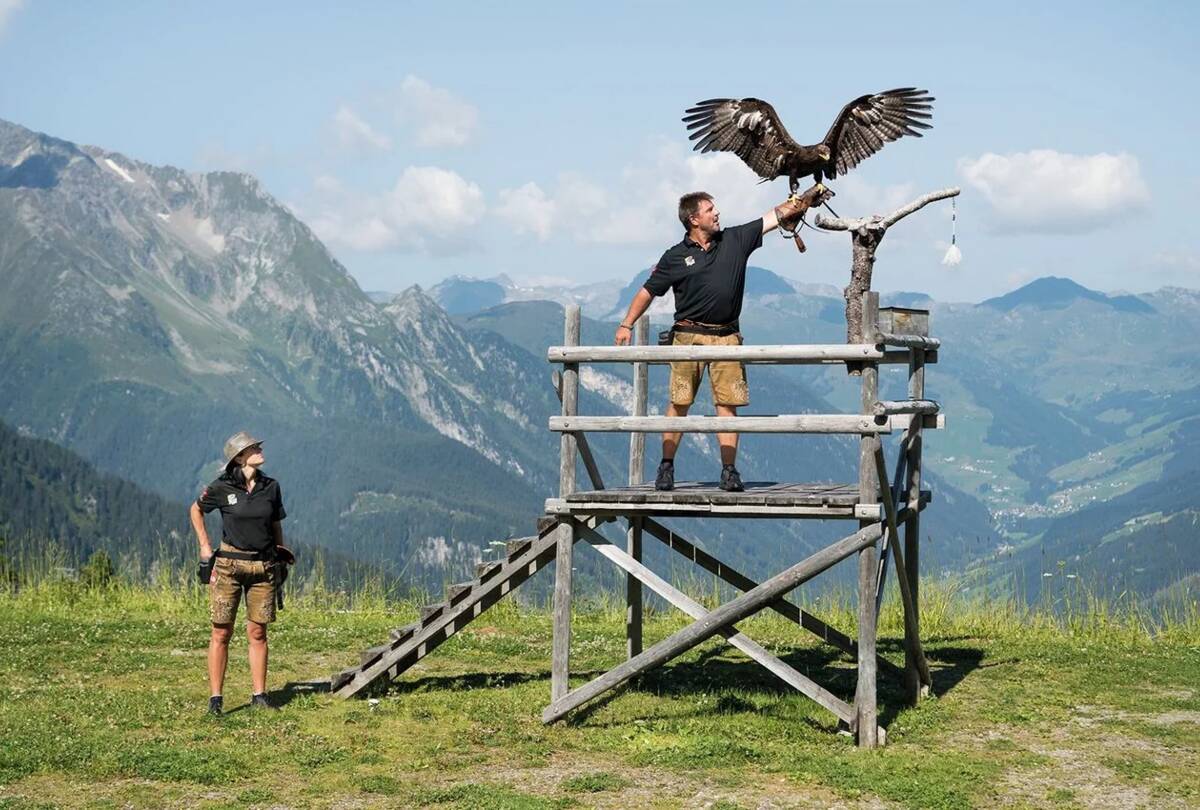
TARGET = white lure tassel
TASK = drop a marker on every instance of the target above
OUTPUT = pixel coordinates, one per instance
(953, 255)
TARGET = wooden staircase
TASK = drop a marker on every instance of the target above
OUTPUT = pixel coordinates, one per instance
(465, 601)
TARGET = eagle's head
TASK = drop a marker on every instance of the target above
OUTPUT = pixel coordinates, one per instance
(824, 152)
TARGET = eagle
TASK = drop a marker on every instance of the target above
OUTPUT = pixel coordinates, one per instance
(751, 129)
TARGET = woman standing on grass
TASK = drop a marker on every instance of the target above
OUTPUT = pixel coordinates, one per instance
(251, 558)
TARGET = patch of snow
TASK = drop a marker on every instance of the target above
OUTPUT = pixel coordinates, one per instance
(609, 386)
(118, 293)
(204, 230)
(193, 362)
(124, 174)
(164, 217)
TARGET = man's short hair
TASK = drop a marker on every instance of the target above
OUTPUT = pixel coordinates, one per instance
(689, 206)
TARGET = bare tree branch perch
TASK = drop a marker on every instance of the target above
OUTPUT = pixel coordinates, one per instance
(874, 222)
(865, 235)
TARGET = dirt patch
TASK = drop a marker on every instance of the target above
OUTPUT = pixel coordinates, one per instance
(652, 787)
(1170, 718)
(1076, 772)
(1077, 777)
(1174, 694)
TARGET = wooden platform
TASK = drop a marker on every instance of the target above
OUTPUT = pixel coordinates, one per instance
(705, 498)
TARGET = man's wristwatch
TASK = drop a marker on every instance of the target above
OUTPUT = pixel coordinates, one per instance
(624, 326)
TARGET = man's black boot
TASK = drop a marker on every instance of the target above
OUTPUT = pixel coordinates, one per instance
(216, 705)
(731, 480)
(261, 701)
(665, 479)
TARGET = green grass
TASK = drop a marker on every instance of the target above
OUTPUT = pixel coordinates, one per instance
(103, 691)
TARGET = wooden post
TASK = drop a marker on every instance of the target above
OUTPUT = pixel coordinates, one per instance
(567, 532)
(912, 526)
(865, 701)
(637, 465)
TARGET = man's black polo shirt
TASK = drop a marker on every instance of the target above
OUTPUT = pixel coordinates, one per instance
(709, 283)
(246, 517)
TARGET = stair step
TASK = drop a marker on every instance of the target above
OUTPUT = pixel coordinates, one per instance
(399, 635)
(486, 570)
(371, 655)
(430, 612)
(545, 523)
(340, 679)
(459, 591)
(517, 547)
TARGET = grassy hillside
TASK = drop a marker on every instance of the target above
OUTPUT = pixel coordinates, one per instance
(103, 694)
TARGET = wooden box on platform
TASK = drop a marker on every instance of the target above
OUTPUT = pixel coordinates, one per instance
(904, 321)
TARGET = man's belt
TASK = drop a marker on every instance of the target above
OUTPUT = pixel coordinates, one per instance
(238, 554)
(713, 329)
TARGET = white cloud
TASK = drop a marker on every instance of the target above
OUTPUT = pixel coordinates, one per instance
(429, 209)
(1178, 260)
(528, 210)
(354, 133)
(436, 201)
(7, 9)
(638, 205)
(1054, 192)
(435, 116)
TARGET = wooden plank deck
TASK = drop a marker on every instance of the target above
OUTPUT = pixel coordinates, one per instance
(700, 498)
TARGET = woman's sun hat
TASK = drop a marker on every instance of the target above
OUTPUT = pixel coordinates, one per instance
(236, 443)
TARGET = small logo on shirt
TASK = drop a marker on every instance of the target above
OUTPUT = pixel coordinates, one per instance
(689, 260)
(232, 499)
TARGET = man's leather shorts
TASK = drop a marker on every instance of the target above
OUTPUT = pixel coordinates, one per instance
(728, 378)
(229, 579)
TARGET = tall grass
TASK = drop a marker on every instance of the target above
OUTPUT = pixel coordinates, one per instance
(48, 577)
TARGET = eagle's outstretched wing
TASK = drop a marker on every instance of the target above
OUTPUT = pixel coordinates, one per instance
(748, 127)
(867, 123)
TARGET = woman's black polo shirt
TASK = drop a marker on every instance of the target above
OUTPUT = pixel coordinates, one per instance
(709, 283)
(246, 517)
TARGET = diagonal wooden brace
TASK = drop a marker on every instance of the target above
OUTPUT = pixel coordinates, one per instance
(911, 633)
(804, 685)
(902, 456)
(827, 633)
(728, 614)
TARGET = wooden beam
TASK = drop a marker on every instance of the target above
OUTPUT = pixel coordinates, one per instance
(897, 481)
(889, 407)
(865, 702)
(561, 506)
(728, 614)
(754, 650)
(802, 353)
(637, 466)
(911, 341)
(561, 654)
(792, 423)
(911, 633)
(912, 523)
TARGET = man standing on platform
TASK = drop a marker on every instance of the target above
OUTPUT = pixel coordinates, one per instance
(707, 272)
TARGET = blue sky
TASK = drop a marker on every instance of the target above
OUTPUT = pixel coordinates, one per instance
(544, 141)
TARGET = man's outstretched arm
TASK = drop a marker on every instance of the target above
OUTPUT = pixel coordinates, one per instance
(637, 307)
